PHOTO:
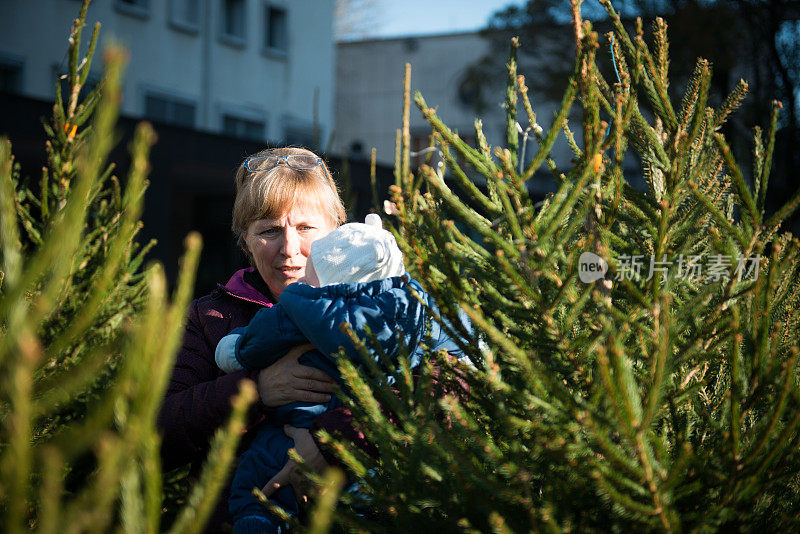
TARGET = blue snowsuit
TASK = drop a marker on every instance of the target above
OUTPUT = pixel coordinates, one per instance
(310, 314)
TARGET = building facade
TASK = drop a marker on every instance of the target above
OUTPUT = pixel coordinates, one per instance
(219, 79)
(245, 68)
(369, 96)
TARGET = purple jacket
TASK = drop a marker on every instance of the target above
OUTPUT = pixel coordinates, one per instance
(198, 397)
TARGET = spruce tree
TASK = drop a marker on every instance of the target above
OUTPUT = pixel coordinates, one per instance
(658, 392)
(87, 335)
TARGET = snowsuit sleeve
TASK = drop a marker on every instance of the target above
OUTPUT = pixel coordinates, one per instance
(384, 307)
(267, 338)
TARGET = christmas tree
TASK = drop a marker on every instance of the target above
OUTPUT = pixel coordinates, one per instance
(87, 334)
(633, 358)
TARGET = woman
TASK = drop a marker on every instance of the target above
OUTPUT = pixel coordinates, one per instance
(285, 199)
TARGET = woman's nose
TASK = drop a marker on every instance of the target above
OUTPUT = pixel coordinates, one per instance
(291, 243)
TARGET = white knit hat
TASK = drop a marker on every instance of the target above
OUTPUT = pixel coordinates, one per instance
(356, 252)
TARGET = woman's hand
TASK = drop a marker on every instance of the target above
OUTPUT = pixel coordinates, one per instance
(289, 474)
(287, 380)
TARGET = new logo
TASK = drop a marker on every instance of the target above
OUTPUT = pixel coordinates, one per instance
(591, 267)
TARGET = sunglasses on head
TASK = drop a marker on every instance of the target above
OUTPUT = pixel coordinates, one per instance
(295, 161)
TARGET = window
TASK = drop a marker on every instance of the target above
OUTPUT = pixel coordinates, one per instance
(356, 149)
(185, 14)
(10, 76)
(411, 44)
(169, 110)
(299, 132)
(137, 8)
(243, 128)
(299, 137)
(276, 37)
(233, 21)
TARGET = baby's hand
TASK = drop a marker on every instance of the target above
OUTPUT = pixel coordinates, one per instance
(290, 475)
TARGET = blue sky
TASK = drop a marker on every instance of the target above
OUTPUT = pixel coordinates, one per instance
(418, 17)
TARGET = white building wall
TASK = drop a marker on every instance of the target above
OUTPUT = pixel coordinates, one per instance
(370, 92)
(244, 79)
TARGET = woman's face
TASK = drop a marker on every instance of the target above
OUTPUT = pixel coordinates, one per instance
(280, 246)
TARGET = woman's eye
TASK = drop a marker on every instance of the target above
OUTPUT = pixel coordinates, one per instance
(268, 231)
(306, 228)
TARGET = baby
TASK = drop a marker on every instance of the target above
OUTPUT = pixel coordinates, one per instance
(354, 275)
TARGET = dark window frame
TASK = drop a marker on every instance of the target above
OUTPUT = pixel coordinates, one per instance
(298, 132)
(270, 43)
(172, 103)
(243, 122)
(18, 66)
(180, 23)
(135, 8)
(227, 37)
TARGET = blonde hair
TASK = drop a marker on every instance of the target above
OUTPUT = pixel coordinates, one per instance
(270, 193)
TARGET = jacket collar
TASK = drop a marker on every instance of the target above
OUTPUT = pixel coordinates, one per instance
(238, 287)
